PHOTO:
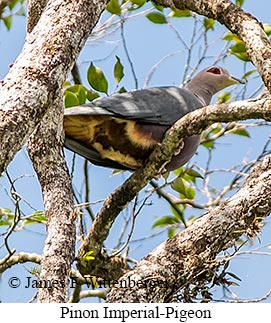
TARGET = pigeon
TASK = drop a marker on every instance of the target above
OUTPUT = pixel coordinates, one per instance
(121, 131)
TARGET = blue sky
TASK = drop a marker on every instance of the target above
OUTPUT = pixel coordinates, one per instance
(147, 44)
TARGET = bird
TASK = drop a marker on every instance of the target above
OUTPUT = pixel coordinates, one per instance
(121, 131)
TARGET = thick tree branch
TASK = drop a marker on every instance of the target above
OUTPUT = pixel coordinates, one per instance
(244, 25)
(191, 124)
(35, 9)
(190, 256)
(41, 68)
(45, 151)
(19, 258)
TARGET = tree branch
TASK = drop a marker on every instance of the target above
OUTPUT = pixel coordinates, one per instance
(45, 151)
(191, 124)
(19, 258)
(190, 256)
(38, 73)
(35, 9)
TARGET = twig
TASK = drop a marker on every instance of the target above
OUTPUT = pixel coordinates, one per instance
(75, 74)
(256, 300)
(127, 53)
(134, 216)
(17, 215)
(94, 293)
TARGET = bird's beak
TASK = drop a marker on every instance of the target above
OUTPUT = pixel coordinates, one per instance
(235, 80)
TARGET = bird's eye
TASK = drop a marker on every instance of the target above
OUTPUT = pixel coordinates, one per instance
(214, 70)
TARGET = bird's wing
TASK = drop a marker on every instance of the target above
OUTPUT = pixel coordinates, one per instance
(121, 130)
(93, 155)
(160, 105)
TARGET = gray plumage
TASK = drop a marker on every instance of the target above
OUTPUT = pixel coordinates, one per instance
(120, 131)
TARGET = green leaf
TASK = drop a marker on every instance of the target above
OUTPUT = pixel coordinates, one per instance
(12, 4)
(190, 192)
(223, 97)
(91, 95)
(182, 186)
(165, 175)
(66, 84)
(207, 140)
(80, 91)
(37, 217)
(21, 12)
(208, 23)
(214, 128)
(138, 2)
(118, 70)
(114, 7)
(231, 37)
(228, 37)
(70, 99)
(178, 185)
(122, 90)
(6, 217)
(239, 3)
(171, 232)
(179, 171)
(247, 74)
(239, 51)
(242, 56)
(88, 256)
(234, 276)
(82, 94)
(157, 18)
(156, 6)
(179, 215)
(209, 144)
(73, 88)
(238, 47)
(7, 21)
(165, 221)
(240, 132)
(176, 13)
(97, 79)
(267, 29)
(193, 173)
(5, 212)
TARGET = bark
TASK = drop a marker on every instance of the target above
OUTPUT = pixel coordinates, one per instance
(36, 76)
(45, 151)
(19, 258)
(35, 9)
(189, 257)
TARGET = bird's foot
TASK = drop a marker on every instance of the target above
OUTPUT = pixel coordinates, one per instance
(179, 148)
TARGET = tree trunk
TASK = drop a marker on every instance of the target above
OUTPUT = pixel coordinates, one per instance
(34, 81)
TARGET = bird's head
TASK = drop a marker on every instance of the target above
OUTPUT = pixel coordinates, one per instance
(211, 80)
